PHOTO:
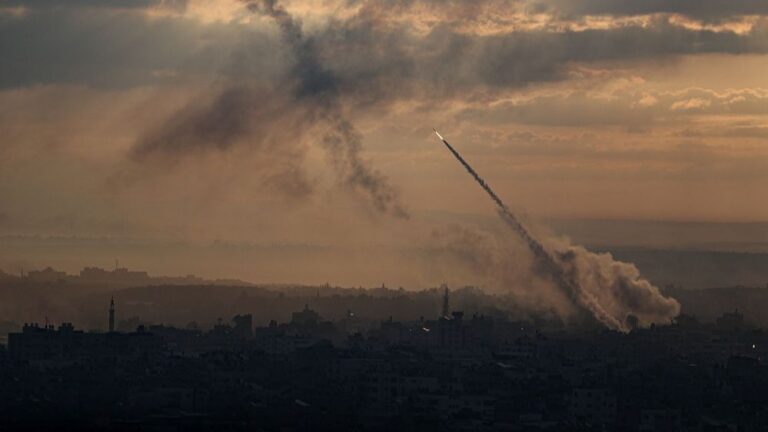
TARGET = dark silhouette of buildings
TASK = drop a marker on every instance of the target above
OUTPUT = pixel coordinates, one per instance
(731, 321)
(306, 316)
(118, 274)
(456, 372)
(243, 325)
(46, 275)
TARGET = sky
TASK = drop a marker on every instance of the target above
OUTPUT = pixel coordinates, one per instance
(300, 122)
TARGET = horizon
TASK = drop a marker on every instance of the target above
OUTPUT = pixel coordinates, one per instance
(231, 259)
(583, 246)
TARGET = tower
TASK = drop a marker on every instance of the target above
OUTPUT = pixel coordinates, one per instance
(112, 315)
(446, 309)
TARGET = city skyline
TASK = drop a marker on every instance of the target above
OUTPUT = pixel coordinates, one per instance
(240, 215)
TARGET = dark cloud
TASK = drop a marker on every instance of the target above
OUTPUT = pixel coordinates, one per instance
(113, 49)
(366, 57)
(711, 10)
(119, 4)
(375, 62)
(312, 79)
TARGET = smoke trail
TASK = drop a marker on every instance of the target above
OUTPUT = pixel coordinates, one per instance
(611, 291)
(319, 87)
(504, 211)
(273, 120)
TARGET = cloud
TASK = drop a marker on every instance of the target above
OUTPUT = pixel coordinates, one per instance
(113, 49)
(647, 101)
(690, 104)
(613, 100)
(378, 63)
(104, 4)
(704, 9)
(731, 130)
(370, 57)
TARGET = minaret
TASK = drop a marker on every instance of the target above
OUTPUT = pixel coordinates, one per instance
(446, 310)
(112, 315)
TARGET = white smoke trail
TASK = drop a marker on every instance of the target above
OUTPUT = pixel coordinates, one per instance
(611, 291)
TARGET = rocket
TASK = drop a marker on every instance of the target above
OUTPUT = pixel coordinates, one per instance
(513, 222)
(474, 174)
(546, 261)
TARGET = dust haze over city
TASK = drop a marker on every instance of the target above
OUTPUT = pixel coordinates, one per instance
(230, 176)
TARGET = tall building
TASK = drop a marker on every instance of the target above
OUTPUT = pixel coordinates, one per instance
(307, 316)
(112, 315)
(445, 313)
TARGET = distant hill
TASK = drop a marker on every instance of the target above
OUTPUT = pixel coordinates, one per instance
(694, 269)
(708, 304)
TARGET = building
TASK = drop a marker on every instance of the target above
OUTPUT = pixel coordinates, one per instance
(595, 407)
(47, 275)
(306, 316)
(731, 321)
(243, 325)
(112, 315)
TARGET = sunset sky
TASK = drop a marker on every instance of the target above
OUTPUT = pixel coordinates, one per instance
(311, 121)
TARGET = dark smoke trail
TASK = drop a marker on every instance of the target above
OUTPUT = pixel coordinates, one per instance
(273, 121)
(319, 88)
(625, 292)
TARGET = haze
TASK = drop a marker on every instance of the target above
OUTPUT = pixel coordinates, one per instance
(180, 136)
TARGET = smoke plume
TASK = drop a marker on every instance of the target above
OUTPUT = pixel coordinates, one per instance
(503, 268)
(613, 290)
(610, 291)
(241, 114)
(318, 87)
